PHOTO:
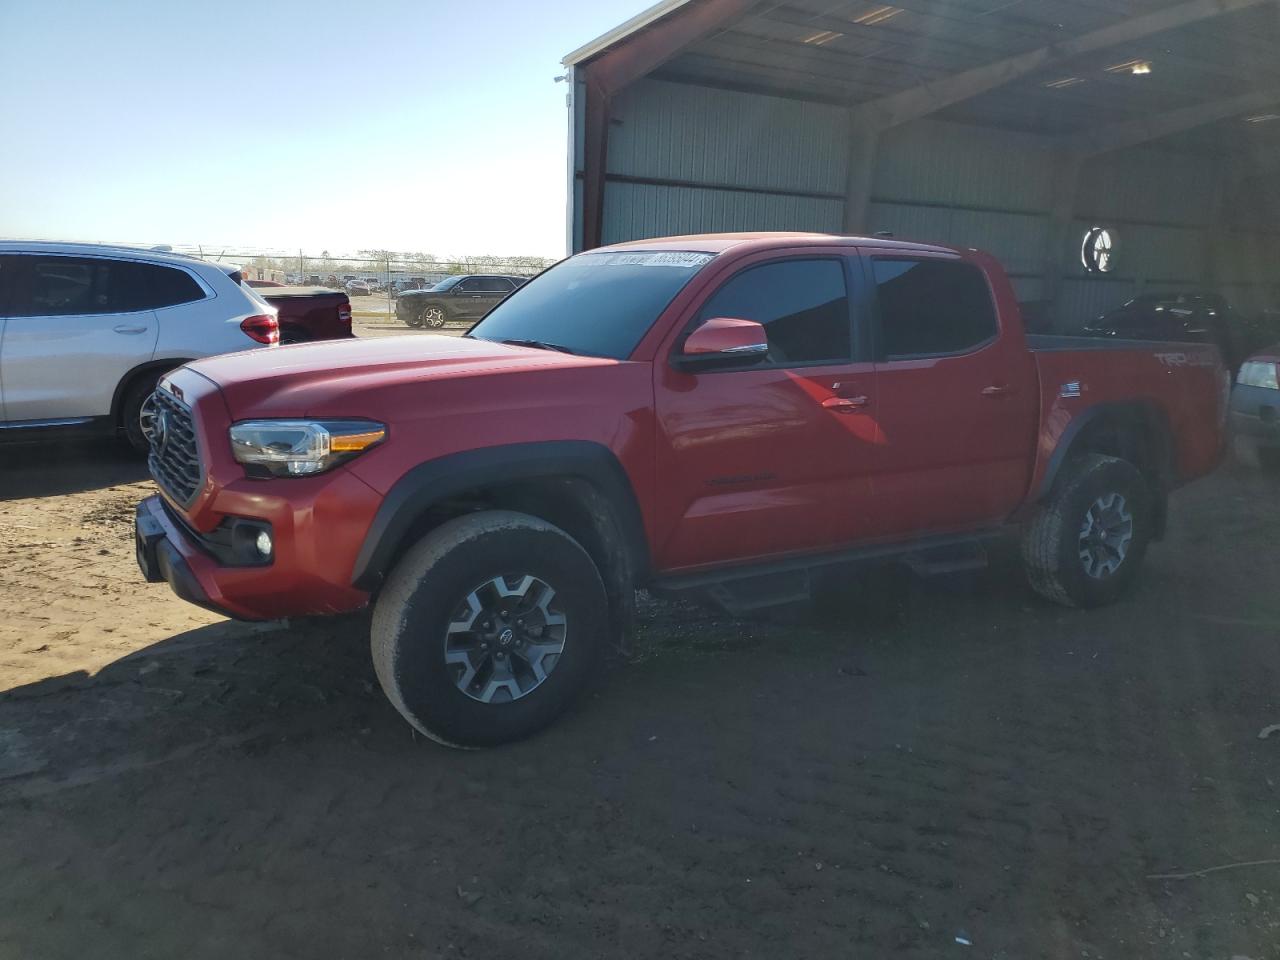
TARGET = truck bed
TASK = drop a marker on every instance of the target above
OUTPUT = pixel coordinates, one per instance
(1182, 385)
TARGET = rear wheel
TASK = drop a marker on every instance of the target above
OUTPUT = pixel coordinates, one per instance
(133, 411)
(1084, 546)
(433, 317)
(488, 628)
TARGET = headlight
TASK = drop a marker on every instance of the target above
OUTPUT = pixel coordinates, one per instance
(300, 448)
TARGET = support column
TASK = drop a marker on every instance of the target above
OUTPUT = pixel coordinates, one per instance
(594, 163)
(864, 147)
(1062, 209)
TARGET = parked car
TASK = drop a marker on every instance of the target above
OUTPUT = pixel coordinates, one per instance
(358, 288)
(741, 416)
(310, 313)
(464, 298)
(257, 284)
(86, 331)
(1255, 407)
(1187, 317)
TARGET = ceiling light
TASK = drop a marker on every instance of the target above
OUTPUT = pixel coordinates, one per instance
(1262, 118)
(1064, 83)
(1139, 68)
(821, 37)
(878, 15)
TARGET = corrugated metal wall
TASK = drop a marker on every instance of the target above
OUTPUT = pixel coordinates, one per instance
(688, 159)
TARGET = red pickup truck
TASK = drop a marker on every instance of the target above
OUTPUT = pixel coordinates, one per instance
(310, 313)
(741, 415)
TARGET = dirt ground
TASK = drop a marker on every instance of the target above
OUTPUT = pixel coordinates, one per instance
(950, 769)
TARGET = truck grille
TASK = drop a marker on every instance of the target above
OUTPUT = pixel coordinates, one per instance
(175, 457)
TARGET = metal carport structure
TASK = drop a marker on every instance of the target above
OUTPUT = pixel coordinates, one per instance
(1011, 125)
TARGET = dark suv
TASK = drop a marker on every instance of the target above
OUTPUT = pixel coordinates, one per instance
(1191, 316)
(466, 298)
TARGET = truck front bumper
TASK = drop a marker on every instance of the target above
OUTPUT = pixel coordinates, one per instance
(168, 551)
(159, 560)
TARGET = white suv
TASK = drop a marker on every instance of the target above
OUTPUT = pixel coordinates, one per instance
(87, 330)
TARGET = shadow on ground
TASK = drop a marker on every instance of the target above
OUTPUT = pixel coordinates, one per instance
(949, 760)
(51, 469)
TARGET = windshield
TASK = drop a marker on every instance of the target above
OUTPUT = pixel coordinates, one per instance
(446, 283)
(598, 304)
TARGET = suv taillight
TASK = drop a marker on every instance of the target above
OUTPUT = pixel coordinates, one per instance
(262, 328)
(344, 313)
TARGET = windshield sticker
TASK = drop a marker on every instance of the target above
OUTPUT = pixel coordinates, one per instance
(666, 258)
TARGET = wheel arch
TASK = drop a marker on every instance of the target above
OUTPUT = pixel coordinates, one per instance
(1137, 432)
(129, 379)
(578, 486)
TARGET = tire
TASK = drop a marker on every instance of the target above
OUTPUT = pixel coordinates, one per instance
(448, 579)
(432, 317)
(412, 320)
(1079, 550)
(131, 411)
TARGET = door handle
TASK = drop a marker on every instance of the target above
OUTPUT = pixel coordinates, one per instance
(845, 404)
(997, 390)
(125, 328)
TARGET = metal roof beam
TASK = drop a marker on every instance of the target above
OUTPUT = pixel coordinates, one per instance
(642, 52)
(929, 98)
(1131, 133)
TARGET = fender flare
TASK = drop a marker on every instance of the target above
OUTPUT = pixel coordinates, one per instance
(434, 481)
(1147, 412)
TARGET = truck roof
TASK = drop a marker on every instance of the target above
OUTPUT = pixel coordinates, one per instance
(720, 242)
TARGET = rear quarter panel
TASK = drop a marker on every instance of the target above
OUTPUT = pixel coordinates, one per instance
(1186, 384)
(207, 327)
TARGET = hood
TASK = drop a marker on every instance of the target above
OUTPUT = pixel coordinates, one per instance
(350, 377)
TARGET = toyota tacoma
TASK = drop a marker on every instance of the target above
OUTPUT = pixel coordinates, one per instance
(741, 416)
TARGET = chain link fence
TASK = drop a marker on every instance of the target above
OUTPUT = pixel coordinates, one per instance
(372, 279)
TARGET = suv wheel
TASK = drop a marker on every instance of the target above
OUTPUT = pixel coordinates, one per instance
(1084, 546)
(488, 628)
(432, 317)
(133, 411)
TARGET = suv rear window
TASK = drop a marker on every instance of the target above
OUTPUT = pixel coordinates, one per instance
(931, 308)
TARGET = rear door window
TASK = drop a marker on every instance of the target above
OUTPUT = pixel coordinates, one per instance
(802, 304)
(931, 308)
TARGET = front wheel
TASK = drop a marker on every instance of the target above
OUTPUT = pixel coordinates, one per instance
(488, 628)
(432, 317)
(1085, 544)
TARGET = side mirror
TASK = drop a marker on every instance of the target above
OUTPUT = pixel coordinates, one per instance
(723, 341)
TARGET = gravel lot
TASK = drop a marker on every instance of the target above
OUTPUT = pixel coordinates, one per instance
(949, 761)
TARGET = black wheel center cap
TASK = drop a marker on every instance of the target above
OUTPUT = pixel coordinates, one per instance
(506, 636)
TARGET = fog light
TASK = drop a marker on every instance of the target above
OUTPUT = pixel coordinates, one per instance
(263, 543)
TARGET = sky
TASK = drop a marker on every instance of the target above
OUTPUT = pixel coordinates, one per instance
(406, 125)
